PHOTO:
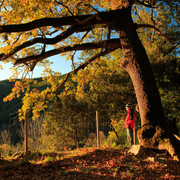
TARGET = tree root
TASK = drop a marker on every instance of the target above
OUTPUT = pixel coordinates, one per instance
(158, 138)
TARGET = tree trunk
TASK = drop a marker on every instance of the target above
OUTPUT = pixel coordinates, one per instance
(154, 132)
(76, 138)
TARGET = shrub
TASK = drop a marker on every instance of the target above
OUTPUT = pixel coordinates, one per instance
(92, 140)
(4, 149)
(117, 138)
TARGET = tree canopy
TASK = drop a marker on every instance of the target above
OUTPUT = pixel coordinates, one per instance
(32, 31)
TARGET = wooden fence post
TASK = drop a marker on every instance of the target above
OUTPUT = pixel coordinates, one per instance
(134, 133)
(26, 136)
(97, 127)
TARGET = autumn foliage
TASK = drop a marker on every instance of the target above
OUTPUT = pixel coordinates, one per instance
(108, 34)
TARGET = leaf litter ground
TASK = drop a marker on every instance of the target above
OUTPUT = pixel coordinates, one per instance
(91, 164)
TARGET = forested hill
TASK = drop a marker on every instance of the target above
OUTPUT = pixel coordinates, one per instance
(9, 109)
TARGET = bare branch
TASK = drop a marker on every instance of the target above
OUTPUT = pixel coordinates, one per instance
(154, 23)
(151, 26)
(62, 4)
(62, 84)
(16, 39)
(152, 18)
(1, 3)
(107, 51)
(146, 5)
(136, 13)
(171, 49)
(115, 69)
(88, 5)
(72, 58)
(109, 33)
(82, 66)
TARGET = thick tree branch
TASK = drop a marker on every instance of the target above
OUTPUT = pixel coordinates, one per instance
(114, 43)
(54, 40)
(88, 20)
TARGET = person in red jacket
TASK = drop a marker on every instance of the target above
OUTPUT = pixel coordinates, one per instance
(129, 123)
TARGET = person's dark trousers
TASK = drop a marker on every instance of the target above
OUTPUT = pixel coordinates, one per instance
(130, 136)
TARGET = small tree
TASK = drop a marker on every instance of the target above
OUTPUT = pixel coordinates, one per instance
(68, 119)
(117, 137)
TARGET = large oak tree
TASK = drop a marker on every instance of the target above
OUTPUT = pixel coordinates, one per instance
(71, 26)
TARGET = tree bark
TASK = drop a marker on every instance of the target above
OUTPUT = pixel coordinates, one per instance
(154, 132)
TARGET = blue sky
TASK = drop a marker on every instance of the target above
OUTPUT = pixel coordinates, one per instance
(59, 64)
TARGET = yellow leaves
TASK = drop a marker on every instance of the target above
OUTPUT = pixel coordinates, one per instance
(36, 101)
(29, 100)
(16, 90)
(15, 12)
(112, 4)
(114, 123)
(23, 9)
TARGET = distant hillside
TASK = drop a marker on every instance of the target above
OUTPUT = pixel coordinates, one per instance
(9, 120)
(9, 109)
